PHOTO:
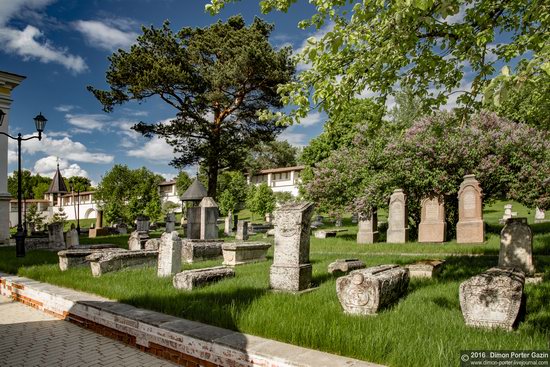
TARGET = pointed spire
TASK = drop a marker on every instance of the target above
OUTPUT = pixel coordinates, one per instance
(58, 184)
(195, 192)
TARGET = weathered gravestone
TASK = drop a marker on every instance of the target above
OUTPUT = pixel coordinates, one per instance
(433, 227)
(235, 253)
(354, 218)
(140, 236)
(242, 230)
(208, 219)
(55, 236)
(366, 291)
(516, 246)
(345, 266)
(101, 263)
(142, 223)
(398, 231)
(425, 268)
(122, 228)
(367, 228)
(71, 238)
(291, 269)
(78, 257)
(152, 244)
(170, 220)
(470, 227)
(190, 279)
(493, 298)
(227, 229)
(169, 261)
(200, 250)
(98, 229)
(539, 216)
(194, 223)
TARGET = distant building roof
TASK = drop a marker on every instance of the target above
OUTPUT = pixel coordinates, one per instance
(167, 183)
(281, 169)
(58, 184)
(195, 192)
(81, 194)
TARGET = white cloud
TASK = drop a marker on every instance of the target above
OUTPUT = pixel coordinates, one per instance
(293, 138)
(64, 148)
(101, 35)
(12, 8)
(48, 165)
(311, 119)
(167, 176)
(26, 44)
(12, 156)
(65, 108)
(87, 121)
(154, 149)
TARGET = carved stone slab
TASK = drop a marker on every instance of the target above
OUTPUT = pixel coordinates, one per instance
(152, 244)
(194, 222)
(209, 219)
(425, 268)
(345, 266)
(325, 233)
(77, 257)
(244, 253)
(55, 236)
(367, 228)
(366, 291)
(492, 299)
(137, 240)
(191, 279)
(242, 230)
(71, 238)
(398, 230)
(101, 263)
(200, 250)
(470, 227)
(291, 270)
(169, 261)
(433, 227)
(516, 246)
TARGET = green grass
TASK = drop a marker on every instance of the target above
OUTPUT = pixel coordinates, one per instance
(425, 328)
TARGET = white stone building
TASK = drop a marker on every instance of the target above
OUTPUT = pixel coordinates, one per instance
(285, 179)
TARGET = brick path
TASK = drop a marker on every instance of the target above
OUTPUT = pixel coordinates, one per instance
(29, 337)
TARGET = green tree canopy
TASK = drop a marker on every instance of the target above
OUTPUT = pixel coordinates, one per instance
(233, 193)
(217, 78)
(32, 186)
(271, 154)
(183, 181)
(260, 199)
(126, 193)
(426, 45)
(78, 183)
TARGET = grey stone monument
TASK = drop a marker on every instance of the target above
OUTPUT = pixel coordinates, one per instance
(169, 261)
(71, 238)
(291, 269)
(227, 229)
(142, 223)
(194, 223)
(366, 291)
(492, 299)
(433, 227)
(242, 230)
(398, 231)
(516, 246)
(209, 219)
(170, 220)
(191, 279)
(55, 236)
(344, 266)
(470, 227)
(539, 216)
(367, 226)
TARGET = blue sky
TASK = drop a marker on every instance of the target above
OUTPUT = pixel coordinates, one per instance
(62, 46)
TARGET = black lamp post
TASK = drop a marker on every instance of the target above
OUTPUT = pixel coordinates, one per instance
(40, 123)
(77, 206)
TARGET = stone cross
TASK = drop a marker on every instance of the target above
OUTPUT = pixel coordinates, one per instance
(242, 230)
(170, 222)
(433, 227)
(169, 262)
(209, 219)
(367, 228)
(470, 227)
(516, 246)
(291, 269)
(398, 231)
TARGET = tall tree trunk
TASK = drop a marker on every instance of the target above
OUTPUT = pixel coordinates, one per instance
(213, 178)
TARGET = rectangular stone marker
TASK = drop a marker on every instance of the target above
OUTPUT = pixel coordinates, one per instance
(169, 261)
(170, 220)
(102, 263)
(71, 238)
(367, 228)
(492, 299)
(470, 227)
(398, 231)
(244, 253)
(227, 229)
(190, 279)
(540, 215)
(194, 223)
(77, 257)
(433, 227)
(345, 266)
(152, 244)
(142, 223)
(209, 219)
(291, 270)
(425, 268)
(55, 236)
(325, 233)
(242, 230)
(366, 291)
(137, 240)
(516, 246)
(200, 250)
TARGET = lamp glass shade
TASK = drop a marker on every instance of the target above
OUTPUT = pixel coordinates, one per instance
(2, 115)
(40, 122)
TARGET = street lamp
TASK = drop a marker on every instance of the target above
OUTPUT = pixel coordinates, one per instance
(40, 123)
(78, 206)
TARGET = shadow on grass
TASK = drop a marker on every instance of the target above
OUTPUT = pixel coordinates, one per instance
(9, 263)
(463, 267)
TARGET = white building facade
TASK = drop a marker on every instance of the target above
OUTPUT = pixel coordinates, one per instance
(285, 179)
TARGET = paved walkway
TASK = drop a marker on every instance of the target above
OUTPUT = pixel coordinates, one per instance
(29, 337)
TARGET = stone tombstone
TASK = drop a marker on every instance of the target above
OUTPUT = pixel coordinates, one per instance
(338, 222)
(539, 215)
(470, 227)
(367, 226)
(516, 246)
(433, 227)
(170, 220)
(269, 217)
(194, 223)
(291, 269)
(209, 219)
(99, 219)
(493, 298)
(71, 238)
(55, 235)
(191, 279)
(142, 223)
(235, 222)
(137, 240)
(122, 229)
(242, 230)
(169, 261)
(366, 291)
(344, 266)
(398, 231)
(354, 218)
(152, 244)
(227, 228)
